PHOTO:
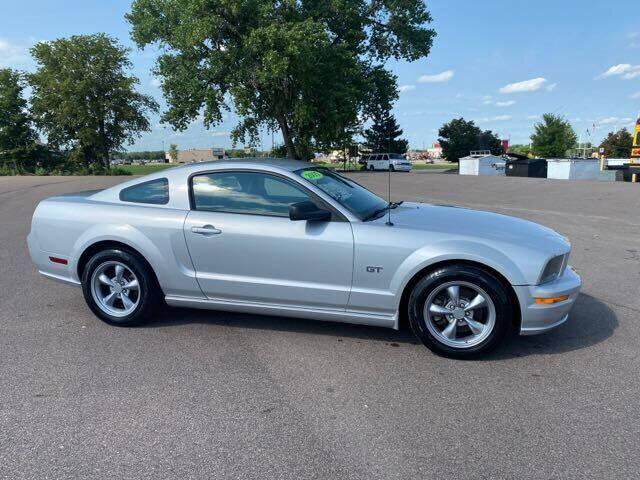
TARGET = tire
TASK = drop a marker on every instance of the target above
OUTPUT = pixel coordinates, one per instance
(371, 168)
(142, 299)
(463, 332)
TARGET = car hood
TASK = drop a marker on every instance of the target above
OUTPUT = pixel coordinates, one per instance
(477, 224)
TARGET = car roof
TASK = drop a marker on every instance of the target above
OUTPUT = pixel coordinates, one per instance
(257, 162)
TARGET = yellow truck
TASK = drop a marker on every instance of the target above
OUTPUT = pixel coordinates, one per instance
(635, 149)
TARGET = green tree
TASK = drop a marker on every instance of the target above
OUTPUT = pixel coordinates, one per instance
(460, 137)
(520, 149)
(17, 137)
(311, 69)
(84, 99)
(553, 137)
(384, 134)
(173, 152)
(617, 144)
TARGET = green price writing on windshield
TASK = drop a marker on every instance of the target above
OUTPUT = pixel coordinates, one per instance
(312, 175)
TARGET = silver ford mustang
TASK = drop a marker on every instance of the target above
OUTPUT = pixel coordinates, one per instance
(288, 238)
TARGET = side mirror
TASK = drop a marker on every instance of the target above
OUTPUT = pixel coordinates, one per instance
(308, 211)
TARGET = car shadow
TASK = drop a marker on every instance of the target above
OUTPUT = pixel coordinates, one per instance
(171, 317)
(591, 322)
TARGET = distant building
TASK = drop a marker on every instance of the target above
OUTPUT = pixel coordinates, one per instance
(196, 155)
(433, 153)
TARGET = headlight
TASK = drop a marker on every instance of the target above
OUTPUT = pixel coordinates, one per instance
(554, 268)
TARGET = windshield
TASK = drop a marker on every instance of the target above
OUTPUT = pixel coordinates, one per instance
(355, 198)
(396, 156)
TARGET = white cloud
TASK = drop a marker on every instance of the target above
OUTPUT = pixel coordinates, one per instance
(615, 121)
(155, 82)
(552, 87)
(508, 103)
(11, 54)
(526, 86)
(438, 77)
(636, 95)
(625, 71)
(499, 118)
(220, 134)
(487, 100)
(406, 88)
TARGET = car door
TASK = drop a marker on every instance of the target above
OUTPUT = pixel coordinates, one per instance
(384, 162)
(245, 248)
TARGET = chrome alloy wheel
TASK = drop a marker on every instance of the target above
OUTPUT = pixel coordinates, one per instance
(459, 314)
(115, 289)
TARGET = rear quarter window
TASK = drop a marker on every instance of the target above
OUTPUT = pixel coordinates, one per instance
(153, 192)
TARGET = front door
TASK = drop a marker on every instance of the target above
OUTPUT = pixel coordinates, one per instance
(245, 248)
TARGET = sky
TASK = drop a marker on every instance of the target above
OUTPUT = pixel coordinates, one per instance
(501, 63)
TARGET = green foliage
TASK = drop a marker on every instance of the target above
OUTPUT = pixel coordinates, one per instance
(384, 135)
(173, 152)
(311, 69)
(553, 137)
(144, 155)
(84, 100)
(459, 137)
(521, 150)
(618, 144)
(17, 137)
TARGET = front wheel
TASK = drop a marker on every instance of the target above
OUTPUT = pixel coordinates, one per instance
(119, 288)
(371, 169)
(460, 311)
(392, 168)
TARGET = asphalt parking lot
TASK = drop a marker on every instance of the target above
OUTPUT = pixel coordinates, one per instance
(217, 395)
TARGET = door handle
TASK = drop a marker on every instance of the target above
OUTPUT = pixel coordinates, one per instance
(206, 230)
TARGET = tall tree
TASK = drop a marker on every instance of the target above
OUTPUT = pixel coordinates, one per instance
(173, 152)
(617, 144)
(17, 137)
(309, 68)
(459, 137)
(84, 99)
(553, 137)
(384, 134)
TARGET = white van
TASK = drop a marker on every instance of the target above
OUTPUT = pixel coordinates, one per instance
(387, 161)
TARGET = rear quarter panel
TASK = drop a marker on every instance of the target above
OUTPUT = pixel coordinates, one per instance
(65, 227)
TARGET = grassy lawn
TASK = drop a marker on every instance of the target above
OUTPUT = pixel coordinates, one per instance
(151, 168)
(434, 166)
(145, 169)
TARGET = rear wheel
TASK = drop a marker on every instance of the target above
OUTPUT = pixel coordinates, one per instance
(460, 311)
(119, 288)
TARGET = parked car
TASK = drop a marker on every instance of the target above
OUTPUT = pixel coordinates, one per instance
(387, 162)
(288, 238)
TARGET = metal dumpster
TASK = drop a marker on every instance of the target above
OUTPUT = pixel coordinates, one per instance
(527, 167)
(574, 168)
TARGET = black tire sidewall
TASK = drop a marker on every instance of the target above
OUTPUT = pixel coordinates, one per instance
(146, 280)
(474, 275)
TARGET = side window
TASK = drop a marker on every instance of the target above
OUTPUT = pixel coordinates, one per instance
(384, 157)
(153, 192)
(245, 192)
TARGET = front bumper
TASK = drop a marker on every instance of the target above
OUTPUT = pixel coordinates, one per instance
(537, 318)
